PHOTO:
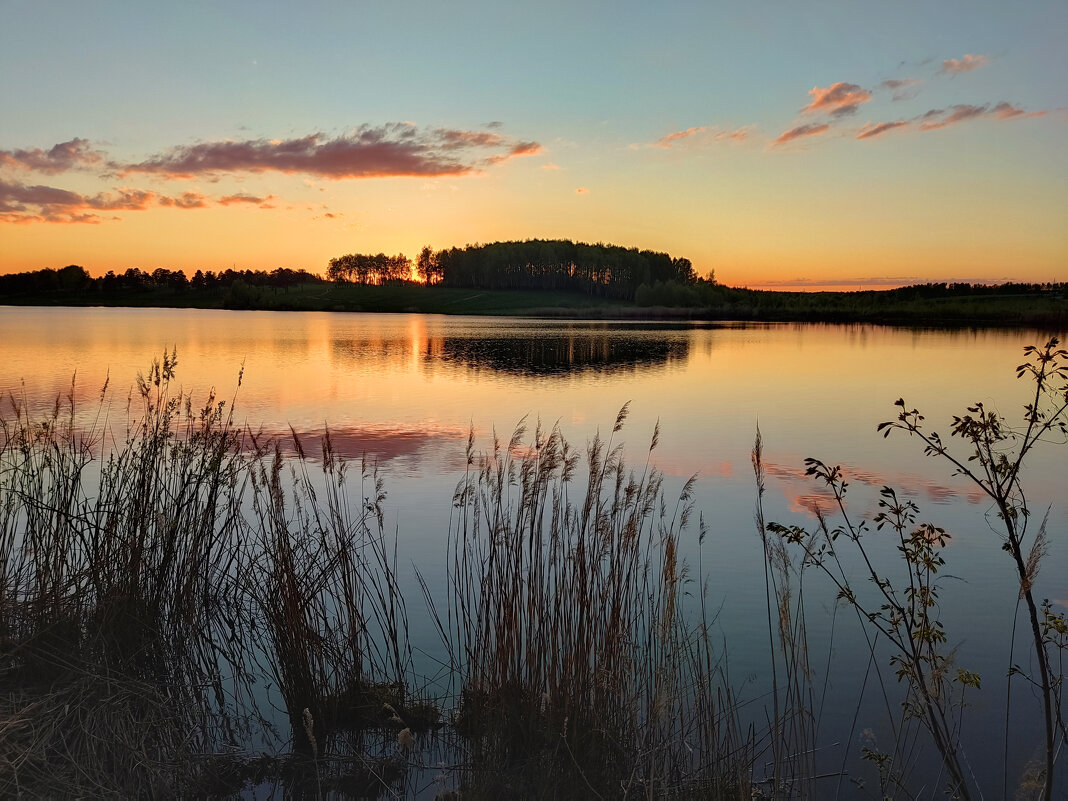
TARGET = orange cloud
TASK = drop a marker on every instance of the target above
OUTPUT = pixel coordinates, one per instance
(582, 191)
(244, 198)
(872, 129)
(71, 155)
(839, 99)
(392, 150)
(799, 132)
(967, 63)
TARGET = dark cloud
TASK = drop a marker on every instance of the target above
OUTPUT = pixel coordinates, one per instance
(965, 63)
(72, 155)
(395, 149)
(903, 88)
(839, 99)
(872, 129)
(801, 131)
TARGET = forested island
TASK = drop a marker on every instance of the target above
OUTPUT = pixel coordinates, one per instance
(536, 277)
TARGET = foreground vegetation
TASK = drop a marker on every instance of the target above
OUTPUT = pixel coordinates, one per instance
(154, 582)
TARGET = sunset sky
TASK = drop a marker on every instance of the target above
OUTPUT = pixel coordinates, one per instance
(843, 144)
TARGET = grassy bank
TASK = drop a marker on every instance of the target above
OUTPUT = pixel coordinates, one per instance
(1038, 309)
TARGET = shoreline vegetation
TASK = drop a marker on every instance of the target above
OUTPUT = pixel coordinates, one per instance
(190, 609)
(539, 278)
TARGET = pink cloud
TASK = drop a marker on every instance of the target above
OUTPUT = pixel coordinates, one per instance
(839, 99)
(671, 138)
(392, 150)
(702, 134)
(75, 154)
(966, 63)
(801, 131)
(872, 130)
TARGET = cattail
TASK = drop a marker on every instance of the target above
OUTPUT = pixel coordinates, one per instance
(309, 729)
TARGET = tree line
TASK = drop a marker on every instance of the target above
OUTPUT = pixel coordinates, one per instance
(76, 279)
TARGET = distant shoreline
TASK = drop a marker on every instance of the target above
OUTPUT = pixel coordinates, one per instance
(1043, 310)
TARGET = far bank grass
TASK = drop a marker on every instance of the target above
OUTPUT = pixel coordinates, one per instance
(1047, 311)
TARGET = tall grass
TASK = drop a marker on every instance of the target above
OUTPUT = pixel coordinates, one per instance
(578, 670)
(150, 581)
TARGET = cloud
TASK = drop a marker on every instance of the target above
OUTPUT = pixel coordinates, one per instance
(187, 200)
(872, 129)
(75, 154)
(582, 191)
(967, 63)
(799, 132)
(668, 140)
(20, 203)
(953, 115)
(243, 198)
(903, 88)
(551, 166)
(391, 150)
(839, 99)
(702, 135)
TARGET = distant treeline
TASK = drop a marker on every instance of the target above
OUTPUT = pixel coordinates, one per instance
(607, 271)
(75, 279)
(538, 276)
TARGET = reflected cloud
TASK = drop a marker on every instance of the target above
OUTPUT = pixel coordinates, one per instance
(804, 495)
(382, 445)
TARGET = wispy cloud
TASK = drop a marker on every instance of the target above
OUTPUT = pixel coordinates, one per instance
(954, 115)
(902, 88)
(966, 63)
(878, 129)
(72, 155)
(703, 135)
(801, 131)
(392, 150)
(839, 99)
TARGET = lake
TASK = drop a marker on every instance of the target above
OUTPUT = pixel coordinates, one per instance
(407, 390)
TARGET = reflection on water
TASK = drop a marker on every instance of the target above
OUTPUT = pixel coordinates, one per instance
(405, 390)
(535, 351)
(555, 354)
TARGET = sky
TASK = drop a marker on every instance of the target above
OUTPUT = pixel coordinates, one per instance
(794, 145)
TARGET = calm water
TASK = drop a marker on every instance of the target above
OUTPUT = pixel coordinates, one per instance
(407, 389)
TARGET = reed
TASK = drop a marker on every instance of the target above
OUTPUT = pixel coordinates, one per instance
(577, 668)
